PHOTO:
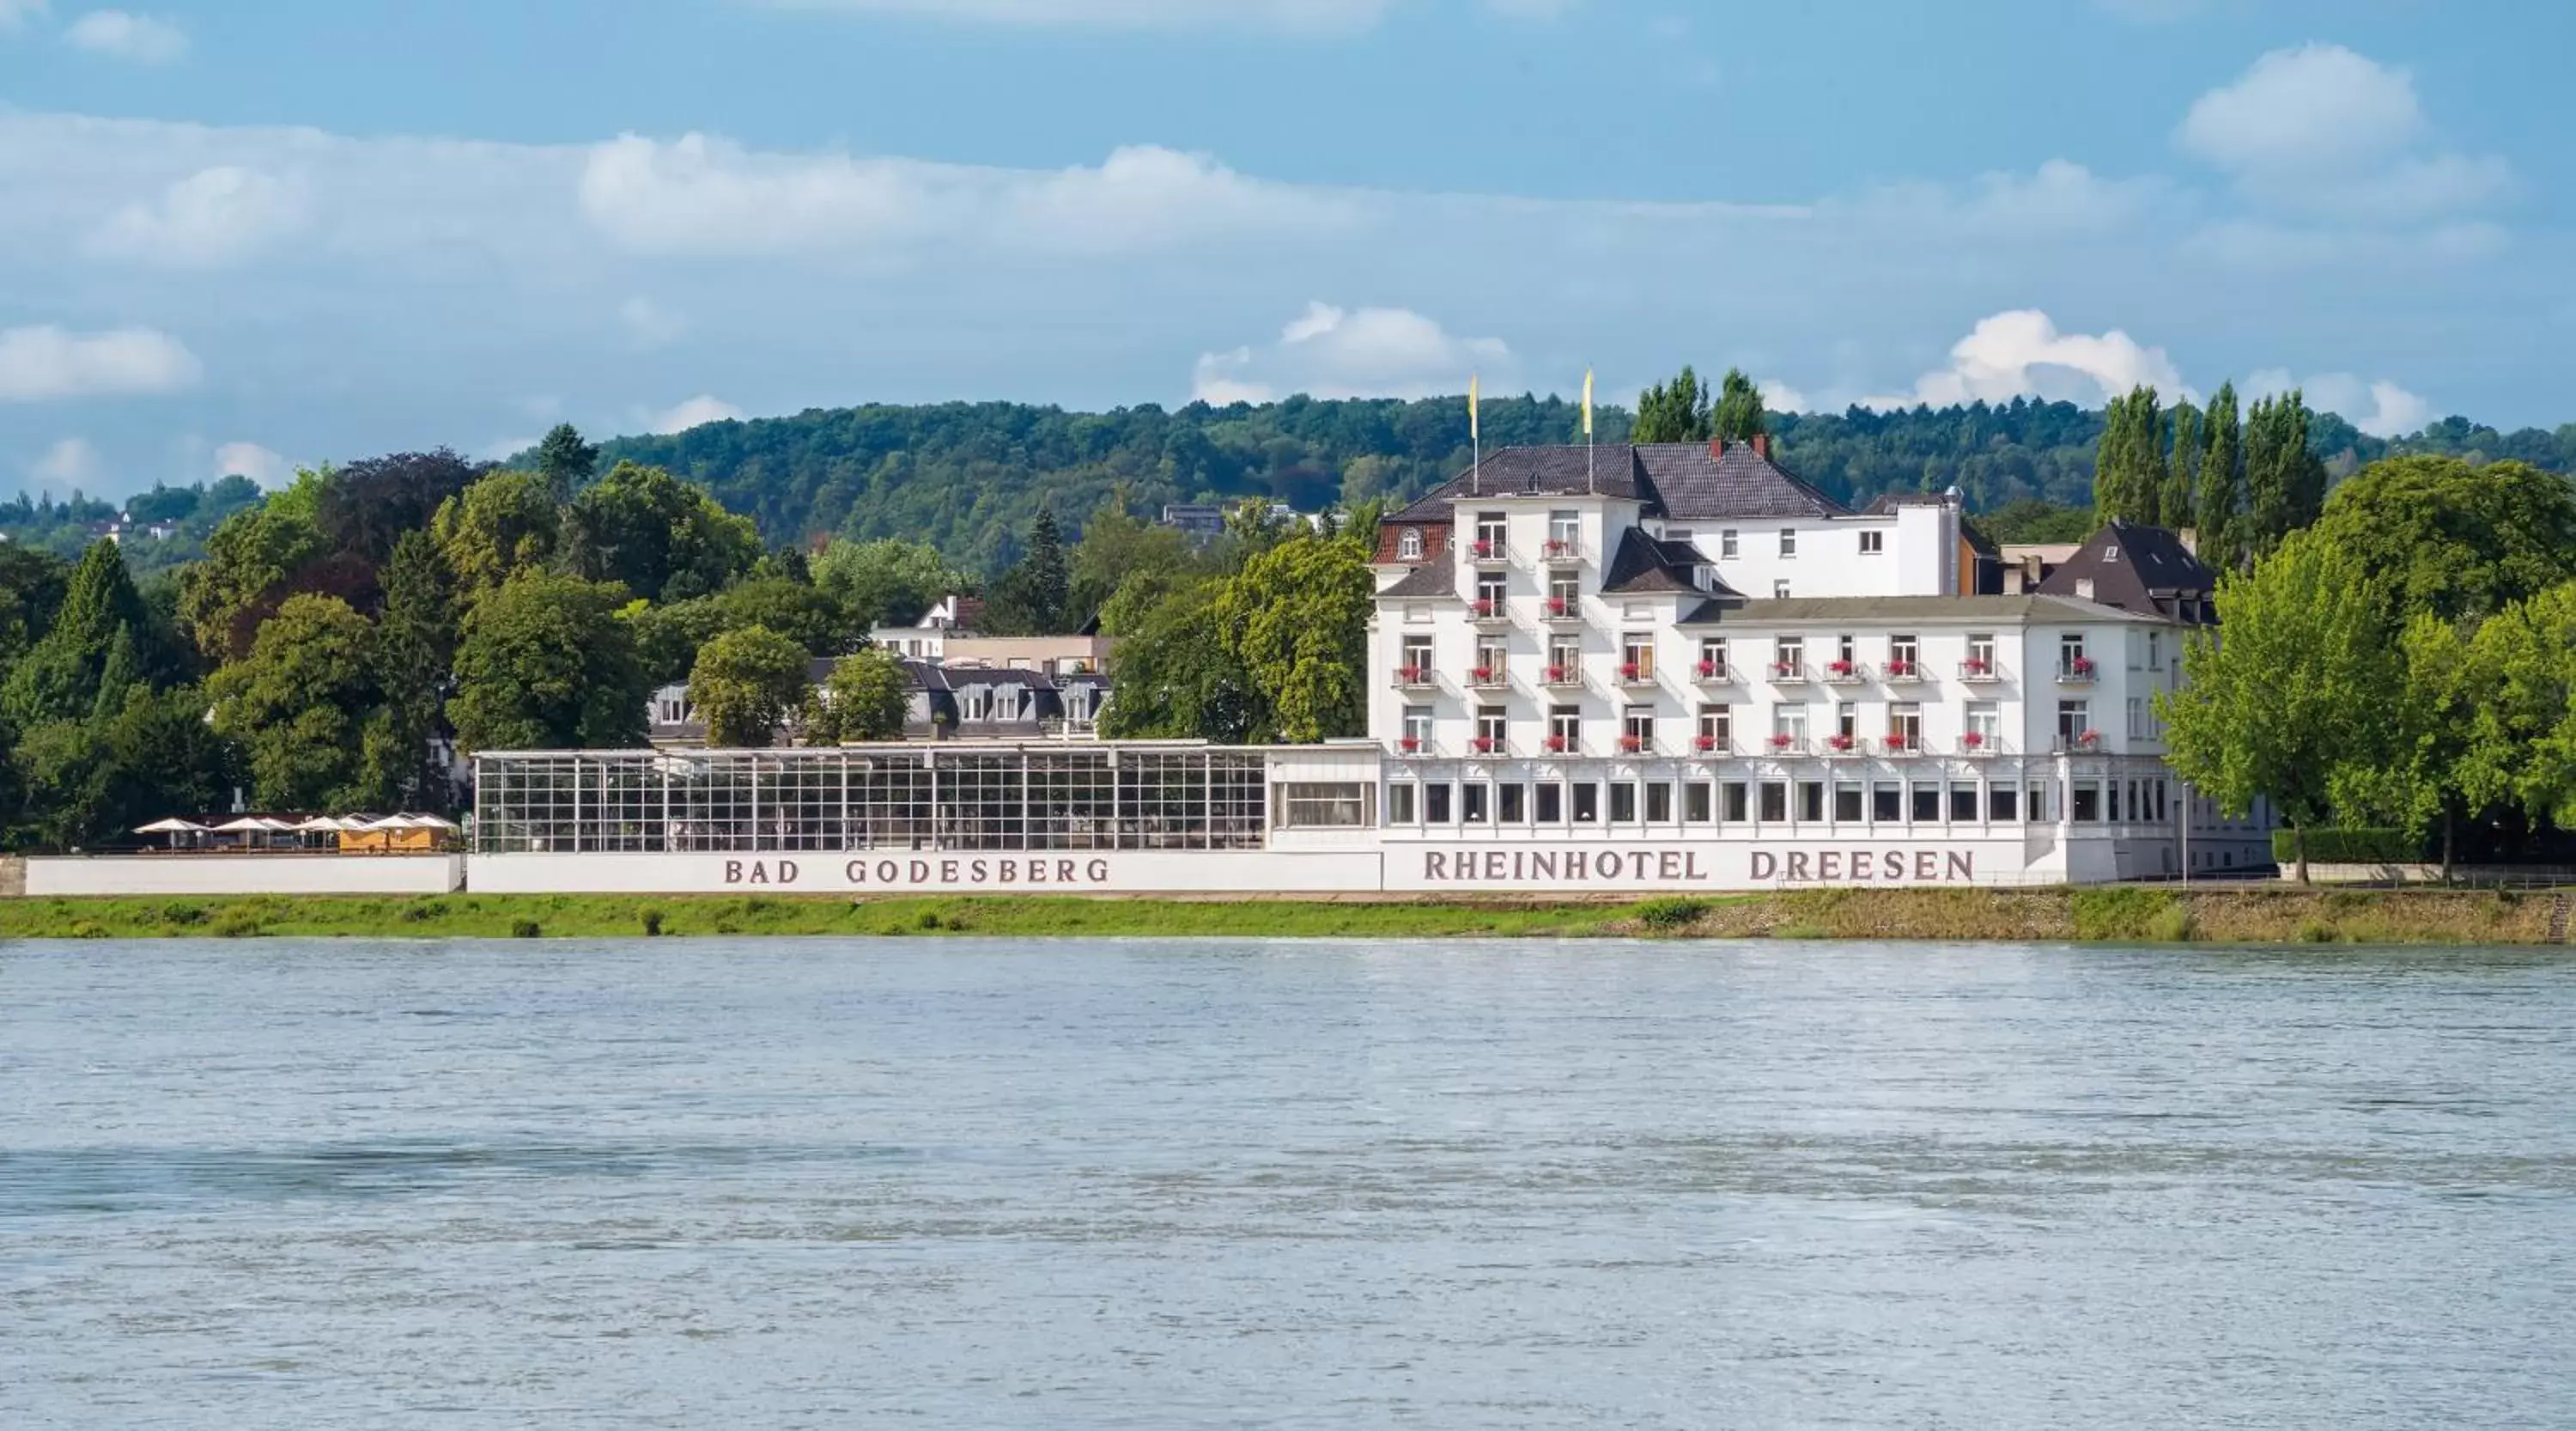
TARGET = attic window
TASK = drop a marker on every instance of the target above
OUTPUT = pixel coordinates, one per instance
(1408, 544)
(2110, 554)
(2084, 587)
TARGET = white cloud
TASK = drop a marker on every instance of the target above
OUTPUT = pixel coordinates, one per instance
(2060, 197)
(703, 195)
(117, 34)
(2335, 133)
(2380, 408)
(249, 459)
(48, 363)
(68, 464)
(2021, 354)
(14, 14)
(211, 218)
(1330, 352)
(648, 324)
(1780, 397)
(696, 412)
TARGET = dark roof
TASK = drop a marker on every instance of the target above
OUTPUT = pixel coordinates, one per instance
(1683, 481)
(1643, 564)
(1425, 581)
(2135, 568)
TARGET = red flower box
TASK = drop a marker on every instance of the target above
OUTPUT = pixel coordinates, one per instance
(1896, 741)
(1559, 606)
(1704, 743)
(1631, 744)
(1483, 674)
(1483, 746)
(1972, 740)
(1628, 671)
(2082, 665)
(1783, 742)
(1840, 668)
(1708, 670)
(1483, 550)
(1558, 745)
(1483, 609)
(1409, 675)
(1840, 742)
(1409, 744)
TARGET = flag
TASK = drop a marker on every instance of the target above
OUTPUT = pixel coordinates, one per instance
(1474, 381)
(1587, 402)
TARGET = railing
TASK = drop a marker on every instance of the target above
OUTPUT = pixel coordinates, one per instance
(1635, 745)
(1974, 743)
(1562, 549)
(1411, 676)
(1487, 745)
(1780, 743)
(1784, 672)
(1895, 743)
(1489, 552)
(1561, 745)
(1563, 608)
(1636, 673)
(1979, 673)
(1902, 672)
(2078, 672)
(1488, 677)
(1413, 745)
(1487, 613)
(1714, 673)
(2089, 743)
(1838, 745)
(1711, 745)
(1845, 673)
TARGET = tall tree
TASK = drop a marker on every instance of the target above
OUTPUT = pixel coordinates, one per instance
(1175, 672)
(249, 560)
(2129, 463)
(2295, 704)
(887, 581)
(2182, 469)
(565, 462)
(506, 523)
(2222, 482)
(414, 647)
(1032, 597)
(2444, 538)
(2524, 750)
(59, 678)
(1298, 618)
(1738, 416)
(864, 699)
(1677, 411)
(662, 538)
(298, 702)
(2285, 481)
(547, 663)
(1116, 545)
(746, 683)
(366, 507)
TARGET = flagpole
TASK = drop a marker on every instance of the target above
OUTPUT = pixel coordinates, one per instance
(1591, 443)
(1475, 437)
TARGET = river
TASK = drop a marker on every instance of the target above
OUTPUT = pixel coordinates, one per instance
(1142, 1184)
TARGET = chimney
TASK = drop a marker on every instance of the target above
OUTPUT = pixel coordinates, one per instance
(1762, 445)
(1717, 448)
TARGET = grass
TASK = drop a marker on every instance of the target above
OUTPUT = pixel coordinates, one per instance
(2160, 915)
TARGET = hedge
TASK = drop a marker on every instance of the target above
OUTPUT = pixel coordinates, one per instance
(2349, 847)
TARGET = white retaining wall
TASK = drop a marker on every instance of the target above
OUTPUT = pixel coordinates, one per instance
(245, 874)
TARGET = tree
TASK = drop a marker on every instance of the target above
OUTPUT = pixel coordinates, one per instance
(1677, 411)
(810, 616)
(546, 663)
(1116, 545)
(1298, 619)
(1174, 675)
(658, 536)
(414, 648)
(886, 581)
(1031, 598)
(2181, 469)
(506, 523)
(59, 677)
(364, 508)
(1738, 417)
(297, 703)
(565, 462)
(2129, 465)
(32, 584)
(2286, 482)
(2523, 751)
(90, 782)
(2445, 538)
(865, 698)
(2291, 699)
(249, 560)
(745, 684)
(2222, 482)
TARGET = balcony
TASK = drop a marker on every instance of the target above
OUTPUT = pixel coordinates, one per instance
(2086, 743)
(1488, 745)
(1838, 746)
(1903, 673)
(1562, 610)
(1979, 743)
(1561, 745)
(1845, 673)
(1414, 745)
(1562, 678)
(1636, 673)
(1713, 673)
(1790, 673)
(1562, 549)
(1979, 673)
(2077, 672)
(1635, 745)
(1897, 742)
(1709, 745)
(1781, 743)
(1413, 677)
(1489, 612)
(1490, 551)
(1489, 677)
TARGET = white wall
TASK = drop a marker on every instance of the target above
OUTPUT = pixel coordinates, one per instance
(245, 874)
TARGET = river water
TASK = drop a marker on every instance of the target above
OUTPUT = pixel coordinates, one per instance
(1141, 1184)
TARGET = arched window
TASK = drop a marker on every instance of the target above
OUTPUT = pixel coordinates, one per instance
(1408, 544)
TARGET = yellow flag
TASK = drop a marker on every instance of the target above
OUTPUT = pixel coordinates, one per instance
(1474, 381)
(1587, 402)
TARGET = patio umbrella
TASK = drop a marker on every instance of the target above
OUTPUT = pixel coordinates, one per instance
(174, 827)
(436, 822)
(319, 825)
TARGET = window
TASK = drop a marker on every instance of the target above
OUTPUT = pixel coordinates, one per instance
(1963, 804)
(1985, 726)
(1587, 803)
(1325, 807)
(1637, 730)
(1493, 728)
(2086, 802)
(1565, 729)
(1789, 727)
(1905, 725)
(1927, 802)
(1788, 543)
(2071, 660)
(1696, 809)
(1775, 800)
(1847, 720)
(1981, 654)
(1734, 800)
(1473, 803)
(2111, 800)
(2074, 722)
(1489, 595)
(1399, 803)
(1493, 660)
(1637, 657)
(2155, 650)
(1493, 536)
(975, 703)
(2000, 804)
(1847, 802)
(1551, 803)
(1886, 801)
(2137, 718)
(1659, 803)
(1780, 589)
(1564, 593)
(1904, 656)
(1789, 657)
(1408, 544)
(1712, 657)
(1846, 652)
(1565, 660)
(1415, 668)
(1564, 533)
(2038, 806)
(2110, 555)
(1511, 803)
(1717, 727)
(1811, 801)
(1623, 802)
(1726, 545)
(1872, 543)
(1435, 804)
(1417, 727)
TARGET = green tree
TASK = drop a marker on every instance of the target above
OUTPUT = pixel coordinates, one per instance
(414, 648)
(865, 698)
(2222, 482)
(1738, 417)
(887, 581)
(2182, 469)
(1298, 618)
(297, 704)
(2286, 481)
(565, 462)
(746, 683)
(546, 663)
(1174, 674)
(1677, 411)
(2523, 751)
(506, 523)
(2442, 537)
(249, 560)
(89, 783)
(1031, 599)
(1116, 545)
(808, 615)
(32, 585)
(2292, 699)
(2129, 465)
(59, 679)
(658, 536)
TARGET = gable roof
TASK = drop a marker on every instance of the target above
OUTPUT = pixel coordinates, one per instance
(1644, 564)
(2134, 568)
(1683, 481)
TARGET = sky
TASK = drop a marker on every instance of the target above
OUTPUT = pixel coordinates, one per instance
(241, 236)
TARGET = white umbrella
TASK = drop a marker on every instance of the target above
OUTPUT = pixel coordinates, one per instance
(394, 822)
(254, 825)
(171, 826)
(319, 825)
(436, 822)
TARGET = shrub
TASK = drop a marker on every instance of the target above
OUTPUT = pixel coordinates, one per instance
(2317, 931)
(652, 923)
(416, 914)
(2119, 913)
(2349, 846)
(88, 929)
(1671, 912)
(930, 920)
(237, 924)
(2173, 925)
(525, 929)
(179, 911)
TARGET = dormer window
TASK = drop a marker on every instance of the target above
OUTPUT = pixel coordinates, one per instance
(2110, 554)
(1408, 544)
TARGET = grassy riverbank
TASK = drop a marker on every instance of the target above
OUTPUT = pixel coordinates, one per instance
(2243, 915)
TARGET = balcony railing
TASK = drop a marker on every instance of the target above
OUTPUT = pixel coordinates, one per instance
(1713, 673)
(2087, 743)
(1413, 745)
(2078, 672)
(1562, 609)
(1489, 552)
(1488, 745)
(1781, 743)
(1562, 676)
(1979, 743)
(1899, 743)
(1979, 673)
(1711, 745)
(1561, 745)
(1636, 673)
(1902, 672)
(1413, 676)
(1486, 612)
(1845, 673)
(1489, 677)
(1790, 672)
(1563, 549)
(1838, 745)
(1635, 745)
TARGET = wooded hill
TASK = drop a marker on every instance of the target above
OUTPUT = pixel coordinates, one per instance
(966, 477)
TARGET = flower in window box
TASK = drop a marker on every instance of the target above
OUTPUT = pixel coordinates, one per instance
(1484, 675)
(1840, 668)
(1409, 744)
(1782, 670)
(1628, 670)
(1556, 675)
(1558, 745)
(1973, 740)
(1704, 744)
(1708, 670)
(1782, 740)
(1631, 744)
(1900, 668)
(2089, 739)
(1839, 742)
(1557, 547)
(1485, 745)
(1896, 740)
(1484, 550)
(1485, 609)
(1974, 667)
(2082, 665)
(1559, 606)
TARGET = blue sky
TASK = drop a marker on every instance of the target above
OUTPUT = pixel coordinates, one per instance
(246, 236)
